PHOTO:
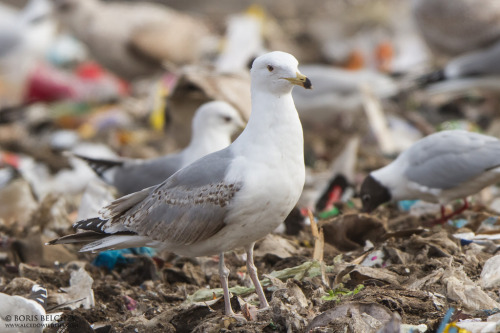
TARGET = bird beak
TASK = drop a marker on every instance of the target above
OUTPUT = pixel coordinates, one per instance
(300, 80)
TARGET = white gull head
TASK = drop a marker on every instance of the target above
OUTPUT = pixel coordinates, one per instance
(217, 117)
(277, 72)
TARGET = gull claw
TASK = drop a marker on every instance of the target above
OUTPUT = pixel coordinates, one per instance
(233, 318)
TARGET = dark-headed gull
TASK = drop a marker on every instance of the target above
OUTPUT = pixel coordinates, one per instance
(439, 168)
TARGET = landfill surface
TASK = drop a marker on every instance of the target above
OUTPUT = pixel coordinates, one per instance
(330, 267)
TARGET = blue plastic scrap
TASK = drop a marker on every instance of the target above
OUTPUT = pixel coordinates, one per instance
(405, 205)
(445, 320)
(111, 258)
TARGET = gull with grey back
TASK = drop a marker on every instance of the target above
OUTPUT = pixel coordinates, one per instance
(226, 200)
(212, 126)
(439, 168)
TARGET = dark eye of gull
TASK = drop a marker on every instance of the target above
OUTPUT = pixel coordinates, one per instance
(226, 119)
(270, 68)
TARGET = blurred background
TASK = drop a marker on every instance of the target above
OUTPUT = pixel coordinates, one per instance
(123, 79)
(115, 80)
(110, 79)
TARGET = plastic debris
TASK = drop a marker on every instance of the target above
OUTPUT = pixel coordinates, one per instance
(111, 258)
(462, 289)
(367, 317)
(405, 205)
(130, 303)
(458, 223)
(374, 259)
(80, 292)
(446, 319)
(490, 275)
(96, 195)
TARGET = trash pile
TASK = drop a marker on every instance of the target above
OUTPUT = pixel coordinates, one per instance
(79, 108)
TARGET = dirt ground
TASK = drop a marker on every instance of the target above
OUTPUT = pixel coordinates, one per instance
(347, 272)
(415, 272)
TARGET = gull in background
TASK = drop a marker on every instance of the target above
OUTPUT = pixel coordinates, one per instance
(225, 200)
(25, 37)
(31, 309)
(30, 30)
(439, 168)
(134, 40)
(212, 126)
(479, 68)
(452, 28)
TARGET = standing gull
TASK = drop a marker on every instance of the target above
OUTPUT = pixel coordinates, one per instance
(225, 200)
(441, 167)
(212, 127)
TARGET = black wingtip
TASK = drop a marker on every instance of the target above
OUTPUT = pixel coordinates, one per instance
(99, 166)
(39, 295)
(429, 78)
(94, 224)
(80, 237)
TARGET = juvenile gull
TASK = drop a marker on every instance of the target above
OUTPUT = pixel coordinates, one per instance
(212, 127)
(225, 200)
(441, 167)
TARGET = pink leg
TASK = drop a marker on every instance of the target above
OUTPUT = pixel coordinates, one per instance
(224, 274)
(445, 218)
(252, 271)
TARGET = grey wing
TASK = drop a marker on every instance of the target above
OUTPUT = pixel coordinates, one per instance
(483, 62)
(136, 175)
(188, 207)
(446, 159)
(9, 38)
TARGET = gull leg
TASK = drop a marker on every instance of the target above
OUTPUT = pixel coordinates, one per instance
(442, 213)
(252, 271)
(224, 274)
(463, 208)
(445, 218)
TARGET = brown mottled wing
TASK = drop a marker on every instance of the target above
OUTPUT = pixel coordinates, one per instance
(188, 207)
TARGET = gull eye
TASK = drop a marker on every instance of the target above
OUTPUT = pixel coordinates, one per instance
(270, 68)
(226, 119)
